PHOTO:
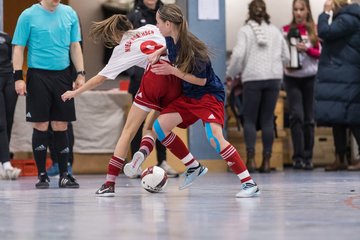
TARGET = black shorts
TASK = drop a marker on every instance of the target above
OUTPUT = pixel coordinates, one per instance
(43, 100)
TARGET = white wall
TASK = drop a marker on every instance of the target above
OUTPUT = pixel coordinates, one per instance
(279, 11)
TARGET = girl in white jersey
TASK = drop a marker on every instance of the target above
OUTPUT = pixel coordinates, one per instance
(132, 48)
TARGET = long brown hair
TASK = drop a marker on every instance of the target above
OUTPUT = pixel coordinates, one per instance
(110, 30)
(310, 24)
(257, 12)
(191, 46)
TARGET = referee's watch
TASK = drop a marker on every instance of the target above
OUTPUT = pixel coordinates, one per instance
(81, 73)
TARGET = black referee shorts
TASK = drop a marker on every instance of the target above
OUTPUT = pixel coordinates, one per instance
(43, 100)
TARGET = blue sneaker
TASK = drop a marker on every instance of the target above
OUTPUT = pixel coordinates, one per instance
(192, 174)
(53, 170)
(248, 190)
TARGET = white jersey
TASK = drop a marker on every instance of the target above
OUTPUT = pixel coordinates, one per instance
(134, 48)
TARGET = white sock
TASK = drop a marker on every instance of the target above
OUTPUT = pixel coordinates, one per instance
(7, 166)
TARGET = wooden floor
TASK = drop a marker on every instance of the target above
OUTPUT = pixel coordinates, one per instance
(293, 205)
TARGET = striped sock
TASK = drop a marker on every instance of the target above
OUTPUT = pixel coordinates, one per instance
(178, 148)
(115, 166)
(147, 144)
(234, 161)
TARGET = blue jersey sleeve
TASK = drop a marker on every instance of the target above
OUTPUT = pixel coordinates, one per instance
(22, 30)
(75, 35)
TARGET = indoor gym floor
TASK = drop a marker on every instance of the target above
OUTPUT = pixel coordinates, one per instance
(293, 205)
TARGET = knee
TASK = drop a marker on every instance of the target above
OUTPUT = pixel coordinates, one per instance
(41, 126)
(158, 130)
(296, 118)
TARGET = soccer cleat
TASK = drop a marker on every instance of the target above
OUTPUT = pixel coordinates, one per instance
(68, 181)
(171, 173)
(192, 174)
(131, 169)
(248, 190)
(43, 182)
(105, 191)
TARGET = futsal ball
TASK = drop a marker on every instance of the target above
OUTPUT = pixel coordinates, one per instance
(154, 179)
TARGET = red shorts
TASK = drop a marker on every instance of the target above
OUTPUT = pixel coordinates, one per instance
(207, 108)
(157, 91)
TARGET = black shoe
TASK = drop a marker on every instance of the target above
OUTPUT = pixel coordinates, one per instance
(105, 191)
(68, 181)
(297, 164)
(43, 182)
(308, 166)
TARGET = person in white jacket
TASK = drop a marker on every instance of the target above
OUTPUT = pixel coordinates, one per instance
(259, 55)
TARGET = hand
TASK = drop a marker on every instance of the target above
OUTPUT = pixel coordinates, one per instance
(20, 87)
(229, 82)
(163, 68)
(301, 47)
(80, 80)
(328, 5)
(68, 95)
(153, 58)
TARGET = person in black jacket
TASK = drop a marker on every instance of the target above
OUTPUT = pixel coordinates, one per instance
(337, 91)
(8, 98)
(144, 12)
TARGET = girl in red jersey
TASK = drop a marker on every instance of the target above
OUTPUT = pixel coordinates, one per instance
(132, 47)
(300, 82)
(203, 98)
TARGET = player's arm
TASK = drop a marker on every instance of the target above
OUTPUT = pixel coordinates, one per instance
(18, 60)
(166, 69)
(92, 83)
(155, 56)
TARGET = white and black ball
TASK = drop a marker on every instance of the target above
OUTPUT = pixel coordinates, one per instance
(154, 179)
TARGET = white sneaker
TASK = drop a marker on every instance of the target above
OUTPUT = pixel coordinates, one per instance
(171, 173)
(248, 190)
(2, 172)
(192, 174)
(12, 174)
(131, 169)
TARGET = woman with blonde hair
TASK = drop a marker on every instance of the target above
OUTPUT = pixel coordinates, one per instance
(299, 81)
(338, 81)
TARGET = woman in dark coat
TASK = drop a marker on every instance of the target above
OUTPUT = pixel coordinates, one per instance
(338, 82)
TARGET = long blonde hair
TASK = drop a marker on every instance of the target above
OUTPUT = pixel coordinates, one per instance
(309, 24)
(110, 30)
(338, 4)
(190, 46)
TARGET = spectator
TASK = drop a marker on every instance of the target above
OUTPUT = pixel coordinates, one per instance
(338, 83)
(259, 55)
(8, 98)
(300, 81)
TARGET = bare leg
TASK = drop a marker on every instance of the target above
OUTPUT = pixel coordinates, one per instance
(135, 117)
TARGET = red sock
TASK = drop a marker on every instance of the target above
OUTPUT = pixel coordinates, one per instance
(115, 166)
(178, 148)
(147, 144)
(233, 160)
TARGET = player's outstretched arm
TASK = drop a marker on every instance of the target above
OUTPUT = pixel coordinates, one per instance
(92, 83)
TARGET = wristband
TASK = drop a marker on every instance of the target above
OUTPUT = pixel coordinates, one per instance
(81, 73)
(18, 75)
